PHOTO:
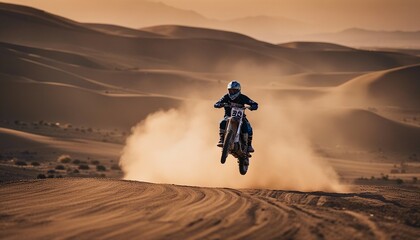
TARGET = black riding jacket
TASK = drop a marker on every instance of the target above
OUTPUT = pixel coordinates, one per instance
(241, 99)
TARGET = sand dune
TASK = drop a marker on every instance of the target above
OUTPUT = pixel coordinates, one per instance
(315, 46)
(126, 61)
(175, 31)
(350, 61)
(370, 38)
(33, 102)
(84, 72)
(331, 79)
(14, 140)
(82, 68)
(93, 208)
(187, 53)
(42, 70)
(286, 93)
(362, 129)
(395, 87)
(71, 58)
(209, 54)
(24, 13)
(123, 31)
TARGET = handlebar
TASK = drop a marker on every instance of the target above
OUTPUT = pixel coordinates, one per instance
(236, 105)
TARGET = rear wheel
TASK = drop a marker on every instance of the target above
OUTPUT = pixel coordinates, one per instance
(243, 166)
(226, 146)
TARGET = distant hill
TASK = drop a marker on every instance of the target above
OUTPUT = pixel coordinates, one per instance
(368, 38)
(180, 47)
(267, 28)
(195, 49)
(141, 14)
(264, 23)
(122, 31)
(273, 29)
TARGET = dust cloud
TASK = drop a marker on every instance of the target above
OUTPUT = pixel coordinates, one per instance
(179, 147)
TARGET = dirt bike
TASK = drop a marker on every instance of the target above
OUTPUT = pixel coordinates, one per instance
(236, 143)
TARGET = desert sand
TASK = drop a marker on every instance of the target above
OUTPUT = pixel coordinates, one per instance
(112, 209)
(109, 132)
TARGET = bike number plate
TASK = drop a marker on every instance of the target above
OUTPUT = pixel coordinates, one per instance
(237, 112)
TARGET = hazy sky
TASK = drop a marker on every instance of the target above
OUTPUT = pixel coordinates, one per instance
(337, 14)
(382, 14)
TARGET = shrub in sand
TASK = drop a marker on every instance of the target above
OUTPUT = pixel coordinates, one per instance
(95, 162)
(26, 152)
(60, 167)
(21, 163)
(41, 176)
(64, 159)
(84, 166)
(76, 161)
(100, 168)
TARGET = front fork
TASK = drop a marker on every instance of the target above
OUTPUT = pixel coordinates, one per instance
(238, 146)
(238, 131)
(232, 125)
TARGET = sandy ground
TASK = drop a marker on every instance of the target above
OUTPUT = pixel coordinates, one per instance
(112, 209)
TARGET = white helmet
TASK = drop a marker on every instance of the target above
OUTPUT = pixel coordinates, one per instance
(234, 89)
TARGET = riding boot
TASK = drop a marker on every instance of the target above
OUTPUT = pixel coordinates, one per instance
(222, 137)
(250, 148)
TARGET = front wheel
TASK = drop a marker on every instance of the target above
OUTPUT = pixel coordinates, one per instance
(243, 166)
(226, 146)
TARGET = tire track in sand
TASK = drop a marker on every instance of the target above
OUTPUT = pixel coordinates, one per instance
(112, 209)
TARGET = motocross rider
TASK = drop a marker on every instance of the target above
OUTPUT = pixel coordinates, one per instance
(234, 96)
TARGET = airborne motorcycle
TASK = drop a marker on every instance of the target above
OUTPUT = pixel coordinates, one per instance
(236, 143)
